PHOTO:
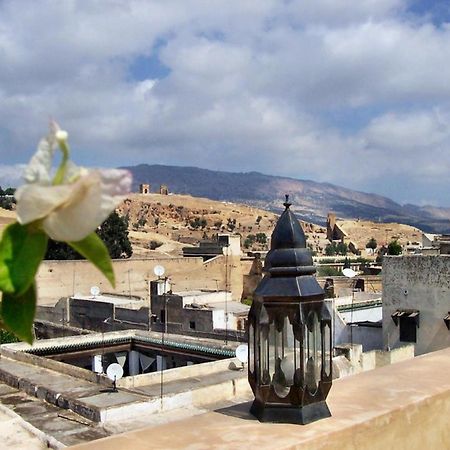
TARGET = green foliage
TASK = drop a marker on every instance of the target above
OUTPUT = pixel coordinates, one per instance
(153, 245)
(323, 271)
(114, 233)
(372, 243)
(336, 249)
(196, 223)
(261, 238)
(21, 252)
(394, 248)
(60, 251)
(7, 203)
(7, 191)
(247, 301)
(17, 313)
(6, 337)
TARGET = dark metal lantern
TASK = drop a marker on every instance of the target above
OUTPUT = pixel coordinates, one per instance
(290, 359)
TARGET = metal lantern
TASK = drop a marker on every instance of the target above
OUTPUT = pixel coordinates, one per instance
(290, 359)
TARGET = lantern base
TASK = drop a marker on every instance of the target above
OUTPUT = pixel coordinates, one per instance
(290, 414)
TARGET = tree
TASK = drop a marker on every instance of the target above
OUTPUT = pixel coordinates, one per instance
(341, 249)
(114, 233)
(330, 249)
(336, 249)
(261, 238)
(394, 248)
(372, 243)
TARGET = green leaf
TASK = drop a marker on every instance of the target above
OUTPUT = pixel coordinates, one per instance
(93, 249)
(22, 249)
(18, 313)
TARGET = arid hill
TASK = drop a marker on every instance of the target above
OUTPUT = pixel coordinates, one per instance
(311, 200)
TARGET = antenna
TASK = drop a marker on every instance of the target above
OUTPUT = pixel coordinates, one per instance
(95, 290)
(114, 372)
(159, 271)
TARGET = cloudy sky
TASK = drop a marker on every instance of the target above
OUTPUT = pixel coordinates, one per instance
(355, 93)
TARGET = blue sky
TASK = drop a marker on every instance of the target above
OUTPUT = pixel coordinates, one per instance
(352, 93)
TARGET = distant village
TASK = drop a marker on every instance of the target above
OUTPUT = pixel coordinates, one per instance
(170, 338)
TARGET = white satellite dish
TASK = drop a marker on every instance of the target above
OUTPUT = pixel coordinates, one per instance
(242, 353)
(114, 372)
(349, 273)
(159, 271)
(95, 290)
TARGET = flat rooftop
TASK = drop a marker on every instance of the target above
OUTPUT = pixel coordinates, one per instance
(402, 406)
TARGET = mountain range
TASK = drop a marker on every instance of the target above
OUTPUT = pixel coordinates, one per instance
(311, 200)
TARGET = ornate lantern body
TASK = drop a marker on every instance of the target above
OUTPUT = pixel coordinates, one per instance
(290, 359)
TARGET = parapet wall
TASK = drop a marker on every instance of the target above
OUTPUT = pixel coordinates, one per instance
(58, 279)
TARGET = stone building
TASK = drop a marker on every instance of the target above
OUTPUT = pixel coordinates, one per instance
(416, 302)
(144, 188)
(163, 190)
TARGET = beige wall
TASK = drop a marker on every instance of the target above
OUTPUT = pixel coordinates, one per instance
(58, 279)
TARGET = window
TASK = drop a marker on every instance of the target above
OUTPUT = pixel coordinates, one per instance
(162, 316)
(408, 330)
(408, 322)
(192, 325)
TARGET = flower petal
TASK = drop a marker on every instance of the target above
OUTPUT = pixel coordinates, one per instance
(80, 215)
(94, 196)
(39, 167)
(115, 184)
(35, 202)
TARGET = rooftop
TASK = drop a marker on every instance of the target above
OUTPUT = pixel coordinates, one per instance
(403, 406)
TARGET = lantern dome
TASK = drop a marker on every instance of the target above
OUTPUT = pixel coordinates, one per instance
(288, 254)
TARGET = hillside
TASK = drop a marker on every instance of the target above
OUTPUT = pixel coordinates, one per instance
(311, 200)
(166, 223)
(161, 225)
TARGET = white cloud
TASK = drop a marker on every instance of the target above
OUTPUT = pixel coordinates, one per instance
(308, 89)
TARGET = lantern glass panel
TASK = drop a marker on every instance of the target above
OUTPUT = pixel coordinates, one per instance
(263, 357)
(273, 349)
(313, 354)
(326, 349)
(288, 362)
(251, 345)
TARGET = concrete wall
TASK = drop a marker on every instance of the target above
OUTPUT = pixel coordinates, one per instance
(58, 279)
(421, 283)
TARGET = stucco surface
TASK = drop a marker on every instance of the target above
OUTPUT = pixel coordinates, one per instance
(402, 406)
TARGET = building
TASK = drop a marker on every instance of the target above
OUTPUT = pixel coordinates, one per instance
(144, 189)
(416, 302)
(225, 244)
(198, 311)
(163, 190)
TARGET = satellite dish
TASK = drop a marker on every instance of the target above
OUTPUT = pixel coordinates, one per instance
(95, 290)
(159, 271)
(349, 273)
(242, 353)
(114, 372)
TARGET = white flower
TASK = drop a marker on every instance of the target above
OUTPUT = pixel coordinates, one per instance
(72, 210)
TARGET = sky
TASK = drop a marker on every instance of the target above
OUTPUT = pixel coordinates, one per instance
(355, 93)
